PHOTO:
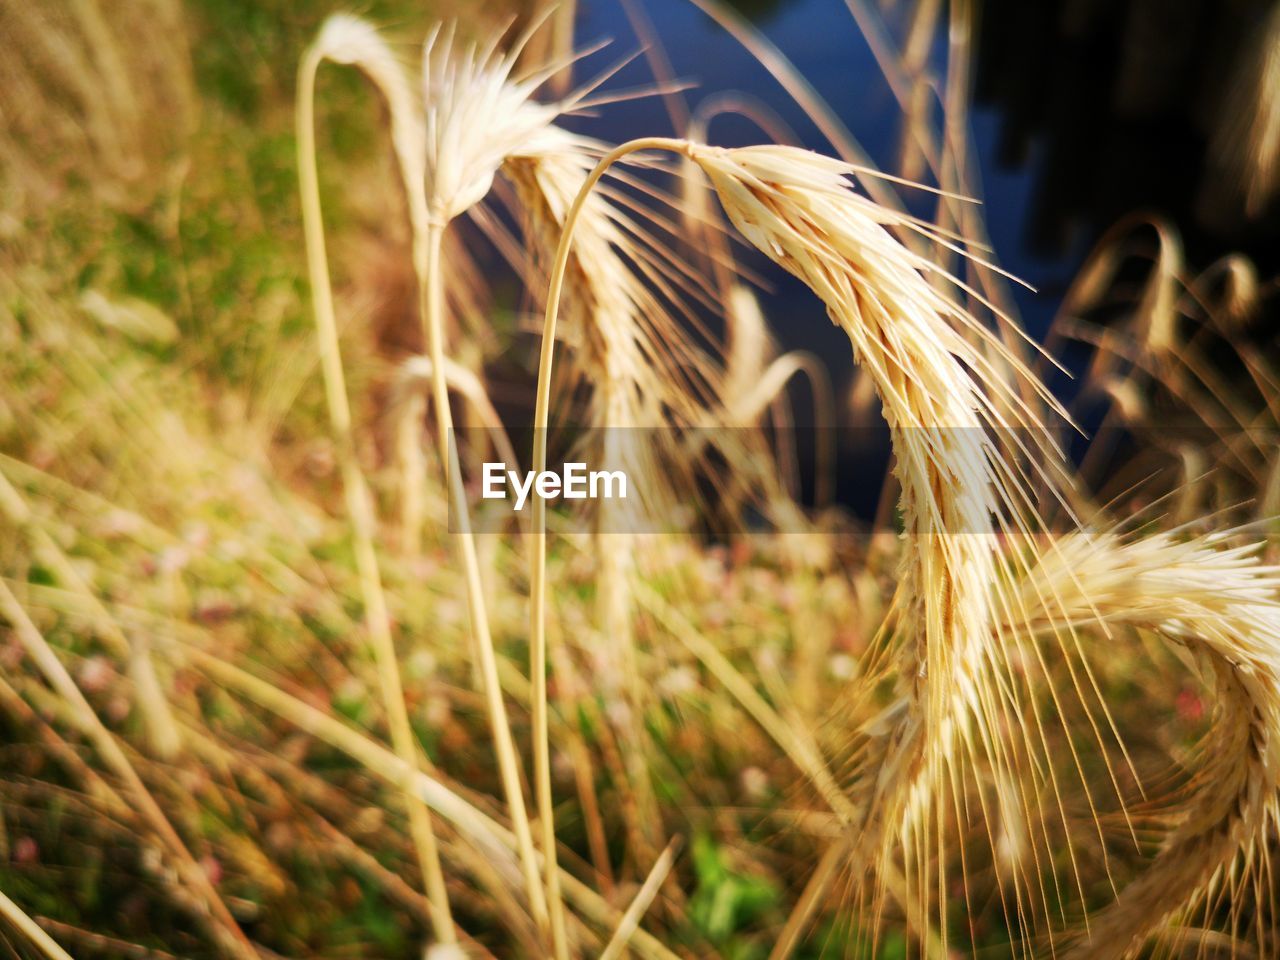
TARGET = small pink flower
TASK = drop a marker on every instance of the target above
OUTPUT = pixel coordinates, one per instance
(26, 850)
(212, 868)
(1189, 705)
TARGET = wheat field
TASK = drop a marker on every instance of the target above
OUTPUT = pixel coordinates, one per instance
(275, 278)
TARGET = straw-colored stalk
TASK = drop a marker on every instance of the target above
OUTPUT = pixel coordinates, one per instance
(621, 331)
(474, 115)
(797, 208)
(477, 117)
(608, 313)
(617, 945)
(607, 322)
(538, 547)
(18, 918)
(1218, 601)
(347, 41)
(1247, 141)
(431, 279)
(223, 926)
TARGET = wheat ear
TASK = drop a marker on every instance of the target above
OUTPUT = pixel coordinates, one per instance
(924, 356)
(1217, 600)
(796, 207)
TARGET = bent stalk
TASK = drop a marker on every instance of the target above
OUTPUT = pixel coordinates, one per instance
(538, 527)
(359, 502)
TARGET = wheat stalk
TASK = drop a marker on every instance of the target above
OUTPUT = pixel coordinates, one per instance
(629, 351)
(939, 397)
(538, 547)
(348, 40)
(1215, 599)
(607, 309)
(18, 918)
(478, 116)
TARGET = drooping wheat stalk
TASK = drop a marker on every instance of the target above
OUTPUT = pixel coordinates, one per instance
(916, 344)
(629, 347)
(629, 352)
(923, 354)
(1217, 600)
(347, 40)
(607, 315)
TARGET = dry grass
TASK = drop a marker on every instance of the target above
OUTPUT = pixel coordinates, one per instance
(82, 84)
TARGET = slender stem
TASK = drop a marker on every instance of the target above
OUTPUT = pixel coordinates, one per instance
(430, 293)
(538, 565)
(412, 473)
(113, 755)
(617, 944)
(18, 918)
(484, 832)
(359, 503)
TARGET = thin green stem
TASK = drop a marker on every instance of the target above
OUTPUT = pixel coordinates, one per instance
(359, 502)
